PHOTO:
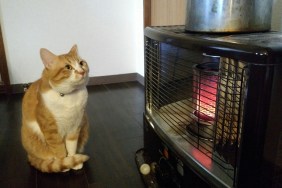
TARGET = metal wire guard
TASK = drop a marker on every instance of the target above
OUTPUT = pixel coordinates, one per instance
(206, 103)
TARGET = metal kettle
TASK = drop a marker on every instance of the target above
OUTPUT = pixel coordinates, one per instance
(228, 15)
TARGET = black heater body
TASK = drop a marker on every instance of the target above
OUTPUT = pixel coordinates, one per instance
(213, 112)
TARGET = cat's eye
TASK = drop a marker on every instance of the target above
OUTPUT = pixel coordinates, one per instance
(81, 63)
(68, 67)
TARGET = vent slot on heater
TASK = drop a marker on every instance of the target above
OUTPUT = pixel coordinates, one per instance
(197, 101)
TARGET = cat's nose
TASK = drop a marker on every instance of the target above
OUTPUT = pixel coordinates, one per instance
(80, 72)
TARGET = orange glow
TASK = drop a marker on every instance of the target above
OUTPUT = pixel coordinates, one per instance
(202, 159)
(165, 153)
(206, 97)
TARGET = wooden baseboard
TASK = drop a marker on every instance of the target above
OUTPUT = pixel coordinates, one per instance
(140, 79)
(99, 80)
(116, 79)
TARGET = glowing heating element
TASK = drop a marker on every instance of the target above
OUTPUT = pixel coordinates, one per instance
(205, 89)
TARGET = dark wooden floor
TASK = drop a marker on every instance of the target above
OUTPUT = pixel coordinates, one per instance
(115, 114)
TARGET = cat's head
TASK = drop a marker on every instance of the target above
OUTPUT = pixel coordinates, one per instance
(65, 73)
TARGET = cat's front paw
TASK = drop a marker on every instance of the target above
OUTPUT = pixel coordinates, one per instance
(78, 167)
(66, 170)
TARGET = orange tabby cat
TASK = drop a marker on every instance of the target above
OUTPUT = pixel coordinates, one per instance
(54, 123)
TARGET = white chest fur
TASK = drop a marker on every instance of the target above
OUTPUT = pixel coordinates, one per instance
(67, 110)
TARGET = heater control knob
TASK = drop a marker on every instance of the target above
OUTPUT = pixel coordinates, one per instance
(145, 169)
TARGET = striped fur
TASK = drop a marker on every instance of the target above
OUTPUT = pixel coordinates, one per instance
(54, 122)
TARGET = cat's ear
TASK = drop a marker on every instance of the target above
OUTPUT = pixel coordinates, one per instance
(47, 57)
(74, 50)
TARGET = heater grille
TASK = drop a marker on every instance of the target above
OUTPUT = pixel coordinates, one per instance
(196, 101)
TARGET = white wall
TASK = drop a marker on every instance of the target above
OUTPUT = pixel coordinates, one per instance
(140, 39)
(109, 34)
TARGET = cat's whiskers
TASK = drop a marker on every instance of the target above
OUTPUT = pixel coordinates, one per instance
(76, 81)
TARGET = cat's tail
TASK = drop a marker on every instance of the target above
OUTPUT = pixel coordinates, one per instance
(58, 165)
